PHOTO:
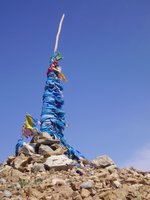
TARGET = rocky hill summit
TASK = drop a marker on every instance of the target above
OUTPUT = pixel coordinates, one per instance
(42, 171)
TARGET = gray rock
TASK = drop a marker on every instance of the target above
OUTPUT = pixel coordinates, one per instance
(45, 150)
(87, 185)
(38, 167)
(103, 161)
(59, 162)
(2, 181)
(6, 193)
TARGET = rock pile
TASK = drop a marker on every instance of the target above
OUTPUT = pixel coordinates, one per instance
(42, 153)
(41, 171)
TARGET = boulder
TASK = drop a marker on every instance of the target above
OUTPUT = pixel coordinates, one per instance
(59, 162)
(27, 150)
(103, 161)
(45, 150)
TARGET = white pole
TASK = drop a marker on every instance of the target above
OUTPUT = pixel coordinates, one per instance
(58, 33)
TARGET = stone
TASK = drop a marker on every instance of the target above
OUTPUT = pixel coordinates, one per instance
(20, 161)
(103, 161)
(17, 175)
(47, 141)
(2, 181)
(45, 150)
(80, 172)
(85, 193)
(87, 185)
(10, 159)
(5, 171)
(27, 150)
(36, 193)
(96, 197)
(58, 149)
(17, 186)
(55, 196)
(46, 135)
(38, 167)
(7, 193)
(58, 181)
(117, 184)
(65, 191)
(59, 162)
(37, 158)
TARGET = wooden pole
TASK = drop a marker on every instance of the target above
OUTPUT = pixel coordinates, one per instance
(58, 33)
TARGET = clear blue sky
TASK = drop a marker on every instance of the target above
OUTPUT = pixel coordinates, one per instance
(106, 45)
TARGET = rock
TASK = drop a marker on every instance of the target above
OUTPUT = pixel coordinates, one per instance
(6, 193)
(20, 161)
(80, 171)
(37, 158)
(45, 150)
(85, 193)
(35, 193)
(46, 135)
(2, 181)
(58, 149)
(17, 175)
(5, 171)
(59, 162)
(10, 159)
(103, 161)
(17, 186)
(87, 185)
(76, 196)
(117, 184)
(65, 191)
(27, 150)
(55, 196)
(47, 141)
(58, 181)
(38, 167)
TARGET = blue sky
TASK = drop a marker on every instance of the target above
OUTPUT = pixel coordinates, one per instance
(106, 47)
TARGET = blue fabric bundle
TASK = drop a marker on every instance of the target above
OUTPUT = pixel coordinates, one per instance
(52, 115)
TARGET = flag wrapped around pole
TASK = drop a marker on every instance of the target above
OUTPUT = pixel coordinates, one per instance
(52, 115)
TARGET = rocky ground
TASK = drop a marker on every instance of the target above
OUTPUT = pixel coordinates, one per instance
(38, 174)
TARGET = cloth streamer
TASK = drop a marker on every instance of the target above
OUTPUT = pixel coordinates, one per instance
(52, 115)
